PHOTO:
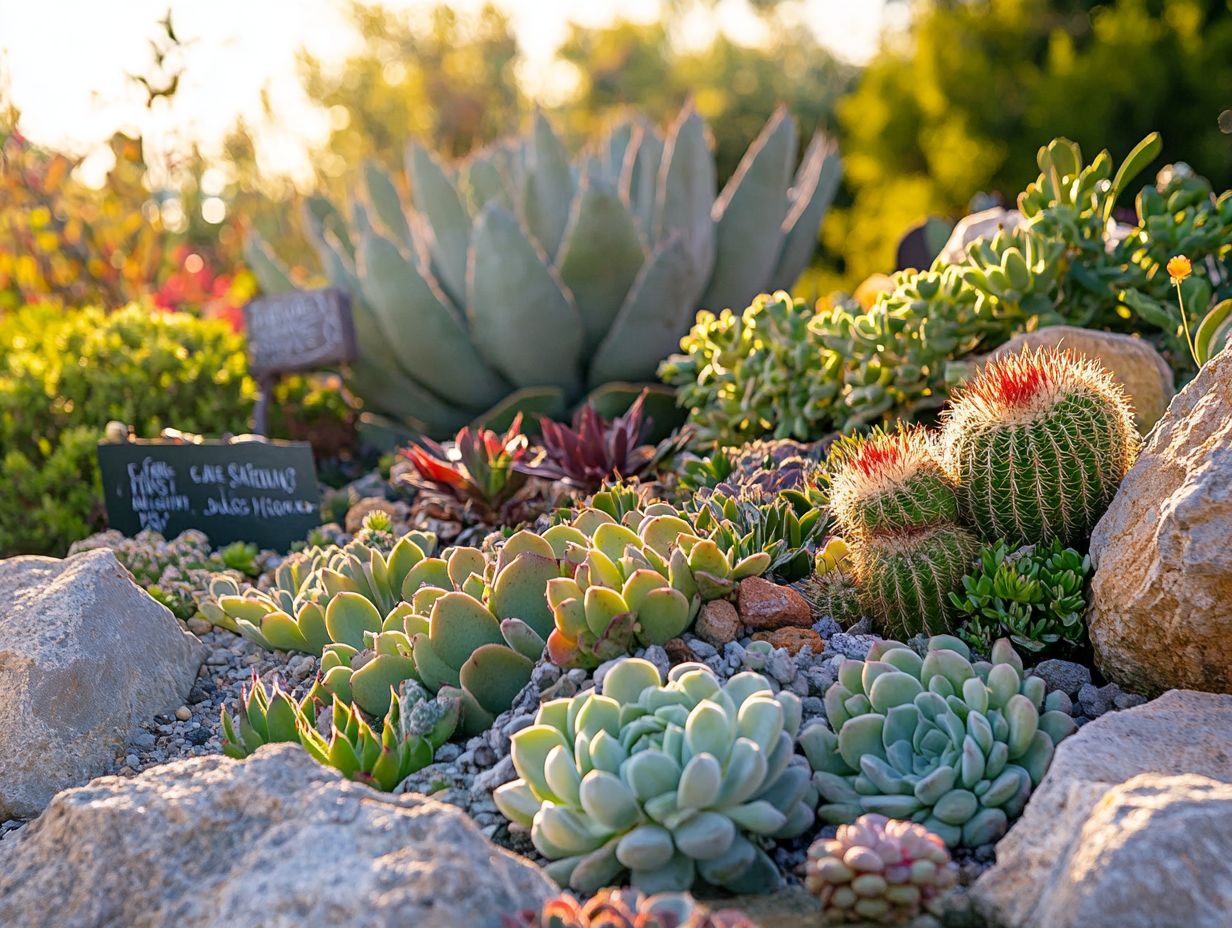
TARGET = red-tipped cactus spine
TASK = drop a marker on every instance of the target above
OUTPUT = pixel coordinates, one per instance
(898, 510)
(1037, 444)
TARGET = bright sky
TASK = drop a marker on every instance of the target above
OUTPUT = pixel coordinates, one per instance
(66, 60)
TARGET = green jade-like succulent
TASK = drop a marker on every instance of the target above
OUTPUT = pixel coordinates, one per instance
(643, 580)
(665, 783)
(946, 743)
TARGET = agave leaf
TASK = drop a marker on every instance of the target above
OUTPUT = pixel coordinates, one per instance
(523, 322)
(387, 204)
(422, 328)
(530, 402)
(749, 214)
(270, 272)
(639, 177)
(600, 256)
(447, 225)
(549, 188)
(321, 216)
(650, 323)
(613, 148)
(485, 176)
(810, 197)
(686, 188)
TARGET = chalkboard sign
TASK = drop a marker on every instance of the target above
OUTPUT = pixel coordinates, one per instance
(299, 331)
(261, 492)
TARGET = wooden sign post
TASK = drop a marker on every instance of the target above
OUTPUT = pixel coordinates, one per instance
(264, 492)
(298, 331)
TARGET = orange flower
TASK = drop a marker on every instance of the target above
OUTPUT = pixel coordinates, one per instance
(1179, 268)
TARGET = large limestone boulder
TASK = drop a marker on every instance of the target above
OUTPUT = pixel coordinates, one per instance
(1131, 828)
(275, 840)
(85, 654)
(1133, 363)
(1161, 596)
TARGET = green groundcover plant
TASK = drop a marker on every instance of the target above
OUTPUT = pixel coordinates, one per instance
(66, 373)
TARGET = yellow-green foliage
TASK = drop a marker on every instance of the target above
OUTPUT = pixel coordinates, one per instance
(65, 373)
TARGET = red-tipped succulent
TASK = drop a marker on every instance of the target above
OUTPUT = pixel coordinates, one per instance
(479, 473)
(595, 449)
(627, 908)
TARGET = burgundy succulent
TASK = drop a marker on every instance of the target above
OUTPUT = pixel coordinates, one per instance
(480, 473)
(596, 449)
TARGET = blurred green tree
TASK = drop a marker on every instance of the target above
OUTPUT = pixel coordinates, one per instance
(962, 101)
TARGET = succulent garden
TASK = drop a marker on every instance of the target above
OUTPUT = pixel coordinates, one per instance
(658, 570)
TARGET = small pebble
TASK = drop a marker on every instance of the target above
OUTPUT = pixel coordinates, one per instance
(183, 713)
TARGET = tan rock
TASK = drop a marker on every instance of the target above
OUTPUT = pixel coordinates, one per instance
(275, 840)
(718, 623)
(1131, 827)
(765, 606)
(1133, 363)
(1161, 595)
(85, 655)
(679, 652)
(794, 640)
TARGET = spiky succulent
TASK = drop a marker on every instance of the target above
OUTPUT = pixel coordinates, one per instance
(668, 784)
(595, 449)
(878, 871)
(627, 908)
(480, 478)
(643, 580)
(1037, 444)
(353, 747)
(519, 281)
(356, 750)
(758, 522)
(1035, 596)
(952, 745)
(897, 509)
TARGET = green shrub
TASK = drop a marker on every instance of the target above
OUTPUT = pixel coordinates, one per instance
(64, 374)
(1035, 597)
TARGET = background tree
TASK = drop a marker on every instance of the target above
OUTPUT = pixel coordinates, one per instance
(962, 101)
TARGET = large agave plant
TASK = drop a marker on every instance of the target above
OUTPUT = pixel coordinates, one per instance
(518, 280)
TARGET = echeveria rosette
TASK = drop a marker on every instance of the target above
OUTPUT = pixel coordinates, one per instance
(878, 871)
(953, 745)
(662, 784)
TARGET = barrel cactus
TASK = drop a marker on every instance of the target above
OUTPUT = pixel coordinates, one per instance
(953, 745)
(1037, 444)
(662, 784)
(898, 509)
(878, 871)
(520, 281)
(643, 580)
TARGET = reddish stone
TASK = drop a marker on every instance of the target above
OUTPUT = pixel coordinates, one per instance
(793, 639)
(679, 652)
(765, 606)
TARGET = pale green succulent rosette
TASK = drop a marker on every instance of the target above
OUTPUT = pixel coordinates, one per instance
(659, 784)
(938, 740)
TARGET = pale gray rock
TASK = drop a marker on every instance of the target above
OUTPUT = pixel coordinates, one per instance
(85, 656)
(1131, 827)
(275, 840)
(1159, 615)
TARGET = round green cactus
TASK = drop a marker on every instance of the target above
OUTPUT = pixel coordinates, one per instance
(898, 509)
(905, 579)
(878, 871)
(1037, 444)
(888, 481)
(665, 784)
(953, 745)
